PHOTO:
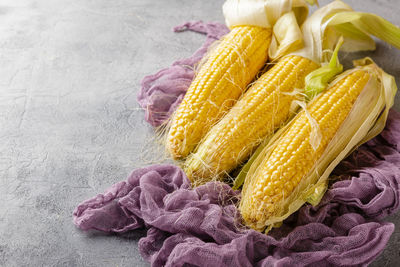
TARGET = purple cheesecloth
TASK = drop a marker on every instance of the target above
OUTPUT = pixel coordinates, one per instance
(200, 227)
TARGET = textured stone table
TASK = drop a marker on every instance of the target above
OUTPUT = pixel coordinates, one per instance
(70, 124)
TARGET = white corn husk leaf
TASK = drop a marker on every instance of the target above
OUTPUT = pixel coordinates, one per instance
(283, 16)
(262, 13)
(313, 37)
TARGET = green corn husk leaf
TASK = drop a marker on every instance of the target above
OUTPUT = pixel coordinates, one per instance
(367, 23)
(356, 40)
(366, 119)
(335, 20)
(318, 80)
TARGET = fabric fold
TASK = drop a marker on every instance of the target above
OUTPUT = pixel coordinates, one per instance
(202, 226)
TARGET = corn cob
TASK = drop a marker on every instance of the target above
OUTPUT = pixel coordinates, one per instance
(261, 110)
(230, 67)
(293, 157)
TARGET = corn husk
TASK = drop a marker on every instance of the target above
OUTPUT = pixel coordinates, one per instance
(283, 16)
(262, 13)
(318, 80)
(316, 37)
(366, 119)
(326, 25)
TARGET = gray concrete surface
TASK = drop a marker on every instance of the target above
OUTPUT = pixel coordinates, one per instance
(70, 124)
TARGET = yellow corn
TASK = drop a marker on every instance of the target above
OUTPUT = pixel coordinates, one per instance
(230, 67)
(261, 110)
(293, 157)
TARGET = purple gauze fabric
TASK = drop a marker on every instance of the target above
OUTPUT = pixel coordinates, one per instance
(162, 92)
(198, 227)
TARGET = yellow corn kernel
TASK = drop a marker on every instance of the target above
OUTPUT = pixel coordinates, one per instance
(230, 67)
(330, 109)
(261, 110)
